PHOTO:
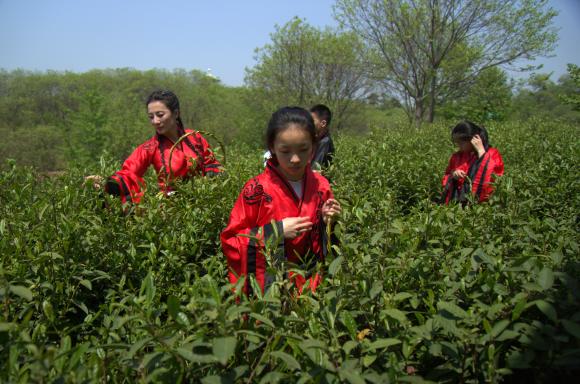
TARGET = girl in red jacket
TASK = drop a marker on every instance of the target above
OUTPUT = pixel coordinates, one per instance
(192, 156)
(286, 208)
(473, 168)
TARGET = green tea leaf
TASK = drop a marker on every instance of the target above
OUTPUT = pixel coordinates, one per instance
(447, 308)
(21, 291)
(395, 314)
(195, 358)
(572, 327)
(5, 327)
(383, 343)
(348, 321)
(272, 377)
(376, 237)
(236, 311)
(263, 320)
(289, 360)
(376, 289)
(369, 359)
(518, 309)
(547, 309)
(402, 296)
(334, 267)
(351, 376)
(86, 283)
(499, 327)
(546, 278)
(148, 288)
(508, 334)
(79, 351)
(349, 346)
(520, 359)
(223, 348)
(182, 319)
(48, 310)
(137, 346)
(215, 379)
(557, 257)
(173, 306)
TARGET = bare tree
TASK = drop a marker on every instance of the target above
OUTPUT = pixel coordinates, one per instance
(425, 50)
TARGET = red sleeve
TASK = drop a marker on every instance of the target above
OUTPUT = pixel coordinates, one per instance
(498, 163)
(130, 177)
(450, 168)
(491, 166)
(244, 239)
(210, 164)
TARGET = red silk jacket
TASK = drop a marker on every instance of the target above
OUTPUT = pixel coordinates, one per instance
(264, 202)
(481, 171)
(188, 159)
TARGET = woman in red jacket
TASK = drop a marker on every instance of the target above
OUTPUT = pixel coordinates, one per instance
(473, 168)
(192, 156)
(285, 209)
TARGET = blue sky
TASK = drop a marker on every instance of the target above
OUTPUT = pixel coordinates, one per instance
(80, 35)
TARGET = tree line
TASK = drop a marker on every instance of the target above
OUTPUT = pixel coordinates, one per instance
(422, 59)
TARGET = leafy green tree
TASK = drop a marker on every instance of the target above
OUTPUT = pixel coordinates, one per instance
(38, 146)
(89, 132)
(488, 99)
(411, 41)
(574, 97)
(49, 119)
(303, 65)
(542, 98)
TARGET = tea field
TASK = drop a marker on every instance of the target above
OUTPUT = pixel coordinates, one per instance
(413, 292)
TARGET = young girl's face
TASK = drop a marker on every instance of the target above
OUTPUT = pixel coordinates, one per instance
(464, 144)
(293, 148)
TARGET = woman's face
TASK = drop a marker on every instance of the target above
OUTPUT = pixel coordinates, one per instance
(162, 119)
(464, 144)
(293, 149)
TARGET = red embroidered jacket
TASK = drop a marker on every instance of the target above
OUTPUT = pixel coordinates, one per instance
(191, 157)
(481, 171)
(264, 202)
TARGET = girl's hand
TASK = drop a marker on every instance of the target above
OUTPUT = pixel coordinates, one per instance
(458, 174)
(295, 226)
(96, 180)
(478, 145)
(330, 210)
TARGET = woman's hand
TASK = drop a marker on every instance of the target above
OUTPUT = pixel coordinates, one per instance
(96, 181)
(330, 210)
(295, 226)
(458, 174)
(478, 145)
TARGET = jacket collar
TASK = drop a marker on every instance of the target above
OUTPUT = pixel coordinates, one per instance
(273, 173)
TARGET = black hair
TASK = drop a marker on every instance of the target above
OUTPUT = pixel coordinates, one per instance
(285, 116)
(323, 113)
(170, 100)
(465, 130)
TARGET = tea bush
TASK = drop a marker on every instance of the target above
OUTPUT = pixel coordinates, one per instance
(414, 292)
